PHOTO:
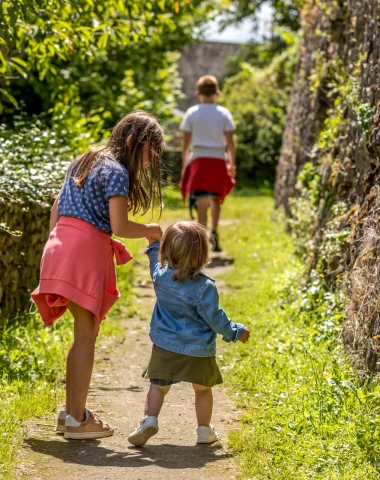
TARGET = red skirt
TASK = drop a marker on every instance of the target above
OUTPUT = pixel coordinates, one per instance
(78, 265)
(209, 174)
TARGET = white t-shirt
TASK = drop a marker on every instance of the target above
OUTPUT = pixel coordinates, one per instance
(207, 123)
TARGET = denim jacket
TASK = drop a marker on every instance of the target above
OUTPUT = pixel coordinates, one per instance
(187, 316)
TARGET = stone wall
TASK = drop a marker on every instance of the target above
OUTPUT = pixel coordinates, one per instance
(206, 58)
(20, 256)
(334, 122)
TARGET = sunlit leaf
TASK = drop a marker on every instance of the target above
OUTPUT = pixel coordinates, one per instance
(9, 97)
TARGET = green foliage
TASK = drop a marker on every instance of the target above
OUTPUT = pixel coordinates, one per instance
(304, 207)
(331, 78)
(32, 361)
(258, 97)
(305, 414)
(30, 353)
(18, 403)
(363, 113)
(34, 157)
(70, 69)
(342, 92)
(285, 12)
(314, 205)
(64, 43)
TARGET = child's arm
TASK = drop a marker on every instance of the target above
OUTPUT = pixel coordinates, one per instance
(152, 252)
(216, 318)
(186, 140)
(54, 215)
(122, 227)
(231, 152)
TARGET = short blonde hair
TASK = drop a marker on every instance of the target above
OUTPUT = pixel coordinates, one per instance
(186, 248)
(207, 85)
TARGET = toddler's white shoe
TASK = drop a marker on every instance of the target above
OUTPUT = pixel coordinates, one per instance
(207, 435)
(147, 428)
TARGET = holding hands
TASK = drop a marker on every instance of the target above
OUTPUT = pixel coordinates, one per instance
(155, 233)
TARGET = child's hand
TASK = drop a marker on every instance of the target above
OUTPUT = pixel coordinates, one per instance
(231, 170)
(155, 233)
(245, 337)
(151, 240)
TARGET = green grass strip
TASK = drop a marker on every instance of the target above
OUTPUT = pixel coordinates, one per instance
(304, 413)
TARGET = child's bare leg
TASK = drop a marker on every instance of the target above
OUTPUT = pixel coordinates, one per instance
(155, 400)
(215, 213)
(202, 206)
(203, 404)
(68, 390)
(80, 361)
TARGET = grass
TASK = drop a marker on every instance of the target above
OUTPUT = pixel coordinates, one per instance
(304, 412)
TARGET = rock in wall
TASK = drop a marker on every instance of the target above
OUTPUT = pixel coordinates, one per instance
(334, 123)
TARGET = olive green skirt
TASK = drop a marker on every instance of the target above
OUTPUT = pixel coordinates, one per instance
(175, 367)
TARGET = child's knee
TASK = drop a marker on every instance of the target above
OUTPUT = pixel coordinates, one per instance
(200, 388)
(163, 389)
(202, 202)
(86, 331)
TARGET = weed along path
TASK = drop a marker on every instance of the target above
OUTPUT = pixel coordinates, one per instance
(118, 394)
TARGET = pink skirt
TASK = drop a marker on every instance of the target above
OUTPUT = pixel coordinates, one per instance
(77, 266)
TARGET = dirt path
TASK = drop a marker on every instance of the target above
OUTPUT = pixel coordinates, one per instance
(118, 394)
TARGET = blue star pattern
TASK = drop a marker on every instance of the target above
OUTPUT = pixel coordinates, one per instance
(90, 203)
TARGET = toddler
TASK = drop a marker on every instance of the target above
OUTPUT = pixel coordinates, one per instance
(184, 325)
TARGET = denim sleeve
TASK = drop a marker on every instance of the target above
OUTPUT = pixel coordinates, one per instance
(216, 318)
(152, 252)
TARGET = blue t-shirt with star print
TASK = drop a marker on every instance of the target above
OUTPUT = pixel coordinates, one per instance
(90, 202)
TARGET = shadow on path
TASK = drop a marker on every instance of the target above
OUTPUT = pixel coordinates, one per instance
(220, 261)
(118, 393)
(92, 453)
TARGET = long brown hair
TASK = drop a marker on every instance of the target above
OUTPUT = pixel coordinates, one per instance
(126, 145)
(186, 248)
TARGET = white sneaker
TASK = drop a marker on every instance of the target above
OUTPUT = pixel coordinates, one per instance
(60, 428)
(147, 428)
(207, 435)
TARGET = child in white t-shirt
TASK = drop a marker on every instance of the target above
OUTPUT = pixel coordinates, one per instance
(208, 172)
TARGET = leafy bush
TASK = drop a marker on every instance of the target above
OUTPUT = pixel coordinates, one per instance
(258, 97)
(34, 157)
(100, 55)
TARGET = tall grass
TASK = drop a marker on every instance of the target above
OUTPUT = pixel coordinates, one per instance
(305, 413)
